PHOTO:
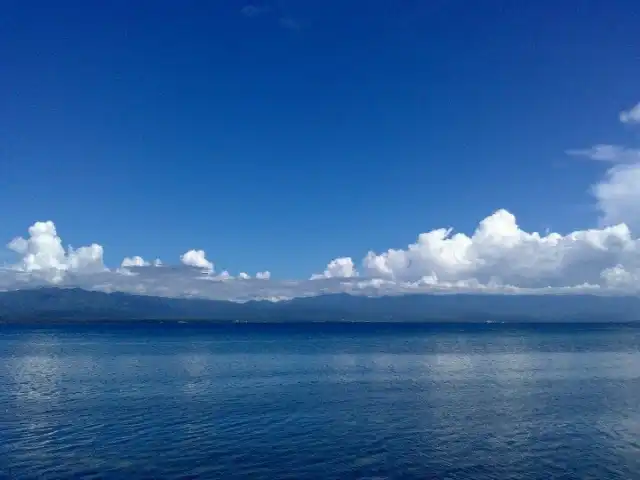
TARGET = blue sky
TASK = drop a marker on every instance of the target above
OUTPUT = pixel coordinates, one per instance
(280, 135)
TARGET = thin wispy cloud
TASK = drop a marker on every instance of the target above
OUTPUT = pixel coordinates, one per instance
(290, 23)
(254, 10)
(608, 153)
(284, 19)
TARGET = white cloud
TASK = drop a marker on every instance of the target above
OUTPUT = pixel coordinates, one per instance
(632, 115)
(42, 252)
(498, 256)
(500, 253)
(608, 153)
(196, 258)
(619, 277)
(618, 196)
(18, 245)
(86, 259)
(225, 275)
(342, 267)
(134, 262)
(43, 261)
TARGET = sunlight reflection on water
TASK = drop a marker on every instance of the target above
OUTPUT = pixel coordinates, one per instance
(402, 404)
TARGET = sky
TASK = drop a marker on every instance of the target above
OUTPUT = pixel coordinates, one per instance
(320, 146)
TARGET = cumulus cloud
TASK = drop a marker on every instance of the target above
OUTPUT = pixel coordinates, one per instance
(137, 261)
(225, 275)
(196, 258)
(620, 277)
(342, 267)
(498, 256)
(618, 193)
(631, 116)
(42, 260)
(42, 252)
(618, 196)
(134, 262)
(499, 252)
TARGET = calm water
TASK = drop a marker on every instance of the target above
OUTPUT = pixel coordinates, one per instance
(359, 401)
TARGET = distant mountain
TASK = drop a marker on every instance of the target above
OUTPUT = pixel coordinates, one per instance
(62, 304)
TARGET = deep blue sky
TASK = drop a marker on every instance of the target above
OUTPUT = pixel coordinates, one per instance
(309, 130)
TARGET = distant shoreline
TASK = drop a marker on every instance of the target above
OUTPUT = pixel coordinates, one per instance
(424, 324)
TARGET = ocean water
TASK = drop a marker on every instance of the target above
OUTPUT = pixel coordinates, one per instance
(320, 401)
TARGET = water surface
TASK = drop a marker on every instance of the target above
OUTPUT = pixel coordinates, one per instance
(320, 401)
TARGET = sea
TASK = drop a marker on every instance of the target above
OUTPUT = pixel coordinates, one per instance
(319, 401)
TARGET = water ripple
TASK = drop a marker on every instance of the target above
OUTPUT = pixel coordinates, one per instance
(76, 403)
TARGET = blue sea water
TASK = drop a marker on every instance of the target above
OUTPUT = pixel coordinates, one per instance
(320, 401)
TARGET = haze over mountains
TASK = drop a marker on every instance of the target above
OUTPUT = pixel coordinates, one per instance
(60, 304)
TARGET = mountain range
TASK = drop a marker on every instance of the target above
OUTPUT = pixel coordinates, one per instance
(73, 304)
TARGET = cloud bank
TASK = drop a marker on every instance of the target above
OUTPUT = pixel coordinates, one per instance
(498, 256)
